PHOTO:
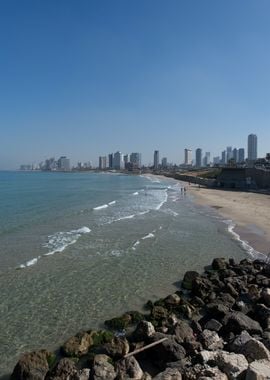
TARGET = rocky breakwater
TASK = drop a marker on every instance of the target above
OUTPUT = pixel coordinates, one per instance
(217, 326)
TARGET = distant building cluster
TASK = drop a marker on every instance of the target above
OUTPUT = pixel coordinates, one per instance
(231, 156)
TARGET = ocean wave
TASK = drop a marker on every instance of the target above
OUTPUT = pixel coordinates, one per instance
(244, 244)
(170, 212)
(164, 200)
(149, 236)
(136, 193)
(100, 207)
(111, 203)
(29, 263)
(135, 245)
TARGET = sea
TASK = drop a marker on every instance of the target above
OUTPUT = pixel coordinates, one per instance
(79, 248)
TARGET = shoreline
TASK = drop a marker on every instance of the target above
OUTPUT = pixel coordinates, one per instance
(246, 211)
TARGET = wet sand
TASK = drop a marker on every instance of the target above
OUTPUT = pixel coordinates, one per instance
(249, 211)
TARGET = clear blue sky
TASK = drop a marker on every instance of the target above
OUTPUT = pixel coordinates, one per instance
(84, 78)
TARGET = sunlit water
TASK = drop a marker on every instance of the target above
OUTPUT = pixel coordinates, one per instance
(79, 248)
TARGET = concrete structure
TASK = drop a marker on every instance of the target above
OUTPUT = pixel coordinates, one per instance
(110, 160)
(136, 160)
(229, 153)
(164, 163)
(102, 162)
(188, 157)
(198, 157)
(216, 160)
(126, 160)
(156, 159)
(252, 147)
(206, 160)
(63, 163)
(118, 161)
(236, 155)
(224, 157)
(241, 155)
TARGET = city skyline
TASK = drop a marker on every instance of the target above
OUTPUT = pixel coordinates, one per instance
(86, 78)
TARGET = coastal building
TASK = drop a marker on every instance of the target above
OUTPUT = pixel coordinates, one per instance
(206, 160)
(241, 155)
(63, 163)
(216, 160)
(102, 162)
(199, 157)
(118, 161)
(126, 160)
(164, 163)
(252, 147)
(110, 156)
(224, 157)
(229, 153)
(136, 160)
(188, 156)
(236, 155)
(156, 159)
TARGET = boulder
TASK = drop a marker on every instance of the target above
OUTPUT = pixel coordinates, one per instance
(238, 343)
(201, 287)
(129, 368)
(169, 374)
(188, 279)
(217, 310)
(102, 369)
(143, 331)
(32, 366)
(159, 312)
(117, 348)
(219, 263)
(83, 374)
(236, 322)
(183, 332)
(266, 296)
(234, 365)
(78, 345)
(258, 370)
(253, 349)
(172, 300)
(64, 370)
(213, 325)
(168, 350)
(210, 340)
(212, 373)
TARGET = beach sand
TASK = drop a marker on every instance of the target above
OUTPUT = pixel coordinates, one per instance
(250, 212)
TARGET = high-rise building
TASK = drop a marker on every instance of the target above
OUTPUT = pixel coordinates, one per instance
(102, 162)
(252, 147)
(63, 163)
(188, 156)
(136, 160)
(118, 161)
(241, 155)
(224, 157)
(156, 159)
(207, 159)
(216, 160)
(229, 153)
(199, 157)
(126, 160)
(110, 161)
(164, 163)
(236, 155)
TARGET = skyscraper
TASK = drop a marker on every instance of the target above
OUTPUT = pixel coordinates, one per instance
(241, 155)
(252, 147)
(224, 157)
(118, 161)
(235, 155)
(111, 160)
(188, 156)
(164, 163)
(102, 162)
(136, 159)
(199, 157)
(156, 159)
(207, 159)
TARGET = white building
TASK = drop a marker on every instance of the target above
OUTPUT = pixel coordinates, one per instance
(118, 161)
(102, 162)
(188, 156)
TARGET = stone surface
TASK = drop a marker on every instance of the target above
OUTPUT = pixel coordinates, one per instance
(32, 366)
(143, 331)
(172, 299)
(64, 370)
(255, 350)
(238, 343)
(212, 373)
(237, 322)
(234, 365)
(219, 263)
(129, 368)
(168, 350)
(258, 370)
(183, 332)
(102, 369)
(211, 340)
(117, 348)
(169, 374)
(79, 344)
(213, 325)
(188, 279)
(266, 296)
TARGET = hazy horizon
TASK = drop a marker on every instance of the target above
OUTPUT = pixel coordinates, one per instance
(86, 79)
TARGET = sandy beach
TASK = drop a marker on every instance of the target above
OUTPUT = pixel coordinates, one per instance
(249, 212)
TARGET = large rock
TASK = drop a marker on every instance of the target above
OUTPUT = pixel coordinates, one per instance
(236, 322)
(188, 279)
(258, 370)
(159, 312)
(78, 345)
(169, 374)
(238, 343)
(117, 348)
(213, 325)
(219, 263)
(102, 369)
(202, 287)
(255, 350)
(168, 350)
(32, 366)
(172, 300)
(212, 373)
(129, 368)
(143, 331)
(183, 332)
(64, 370)
(211, 341)
(266, 296)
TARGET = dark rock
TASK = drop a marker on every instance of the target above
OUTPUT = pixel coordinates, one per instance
(254, 350)
(128, 368)
(212, 373)
(197, 302)
(172, 300)
(32, 366)
(102, 368)
(65, 369)
(169, 374)
(210, 340)
(217, 310)
(219, 263)
(183, 332)
(231, 290)
(237, 344)
(159, 312)
(167, 351)
(201, 287)
(188, 279)
(266, 296)
(237, 322)
(119, 323)
(261, 313)
(143, 331)
(78, 345)
(213, 325)
(117, 348)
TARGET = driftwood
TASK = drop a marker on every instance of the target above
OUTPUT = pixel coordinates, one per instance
(144, 348)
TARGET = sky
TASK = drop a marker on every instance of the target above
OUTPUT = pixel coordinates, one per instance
(89, 77)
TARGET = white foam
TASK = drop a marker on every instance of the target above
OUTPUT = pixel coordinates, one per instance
(100, 207)
(149, 236)
(136, 193)
(115, 252)
(135, 245)
(29, 263)
(244, 244)
(170, 212)
(112, 203)
(164, 201)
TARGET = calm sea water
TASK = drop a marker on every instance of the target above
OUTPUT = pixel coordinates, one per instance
(79, 248)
